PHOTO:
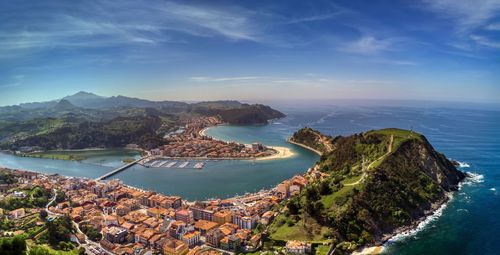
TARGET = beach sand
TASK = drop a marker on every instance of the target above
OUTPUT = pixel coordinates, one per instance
(283, 152)
(369, 251)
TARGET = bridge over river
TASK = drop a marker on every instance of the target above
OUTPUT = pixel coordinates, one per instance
(122, 168)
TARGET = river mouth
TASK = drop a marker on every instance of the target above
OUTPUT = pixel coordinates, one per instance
(217, 179)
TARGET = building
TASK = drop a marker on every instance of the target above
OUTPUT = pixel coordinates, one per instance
(116, 234)
(231, 243)
(202, 214)
(222, 217)
(192, 238)
(184, 215)
(17, 214)
(298, 247)
(204, 226)
(175, 247)
(214, 237)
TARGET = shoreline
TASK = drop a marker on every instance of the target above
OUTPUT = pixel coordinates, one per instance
(404, 232)
(281, 151)
(304, 146)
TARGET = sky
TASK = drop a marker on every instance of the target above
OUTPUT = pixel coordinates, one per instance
(251, 50)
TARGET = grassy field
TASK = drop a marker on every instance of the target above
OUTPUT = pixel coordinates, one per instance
(79, 155)
(400, 135)
(302, 231)
(322, 249)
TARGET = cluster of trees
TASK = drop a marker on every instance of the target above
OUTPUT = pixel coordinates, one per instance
(59, 231)
(6, 177)
(92, 233)
(13, 245)
(116, 132)
(36, 197)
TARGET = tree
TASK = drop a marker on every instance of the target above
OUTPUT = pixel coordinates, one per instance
(59, 230)
(43, 214)
(13, 245)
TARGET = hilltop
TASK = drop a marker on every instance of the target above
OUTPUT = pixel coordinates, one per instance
(374, 184)
(86, 120)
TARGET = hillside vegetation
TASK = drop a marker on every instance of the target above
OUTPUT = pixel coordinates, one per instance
(376, 183)
(85, 120)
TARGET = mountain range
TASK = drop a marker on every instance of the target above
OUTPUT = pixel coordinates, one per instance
(88, 120)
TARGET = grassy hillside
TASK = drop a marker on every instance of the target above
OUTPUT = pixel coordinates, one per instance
(85, 120)
(377, 182)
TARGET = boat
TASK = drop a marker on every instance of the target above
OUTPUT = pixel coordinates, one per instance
(199, 165)
(184, 164)
(171, 164)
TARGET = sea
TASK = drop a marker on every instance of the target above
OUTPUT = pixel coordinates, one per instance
(466, 132)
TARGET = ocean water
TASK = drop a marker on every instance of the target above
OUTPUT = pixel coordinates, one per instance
(469, 224)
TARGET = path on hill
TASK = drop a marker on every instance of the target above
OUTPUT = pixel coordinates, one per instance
(389, 151)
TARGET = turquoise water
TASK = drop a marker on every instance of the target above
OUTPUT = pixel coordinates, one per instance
(468, 225)
(218, 179)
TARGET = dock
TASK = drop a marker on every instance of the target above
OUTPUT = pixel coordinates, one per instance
(120, 169)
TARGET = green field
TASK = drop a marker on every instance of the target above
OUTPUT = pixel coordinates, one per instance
(79, 155)
(302, 231)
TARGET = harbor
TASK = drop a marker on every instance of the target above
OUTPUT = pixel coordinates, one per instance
(160, 162)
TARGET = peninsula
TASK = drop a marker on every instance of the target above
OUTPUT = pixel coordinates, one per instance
(373, 185)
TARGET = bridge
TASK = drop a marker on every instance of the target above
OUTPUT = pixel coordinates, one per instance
(122, 168)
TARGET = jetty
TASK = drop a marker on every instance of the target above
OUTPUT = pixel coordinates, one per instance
(118, 170)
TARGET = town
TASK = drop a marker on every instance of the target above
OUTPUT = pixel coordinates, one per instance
(113, 218)
(191, 142)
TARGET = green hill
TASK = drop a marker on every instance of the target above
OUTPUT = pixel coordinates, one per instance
(377, 182)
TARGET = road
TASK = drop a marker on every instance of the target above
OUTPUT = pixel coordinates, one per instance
(389, 151)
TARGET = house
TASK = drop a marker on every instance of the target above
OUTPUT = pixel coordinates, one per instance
(192, 238)
(115, 234)
(204, 226)
(214, 237)
(298, 247)
(175, 247)
(17, 214)
(184, 215)
(222, 217)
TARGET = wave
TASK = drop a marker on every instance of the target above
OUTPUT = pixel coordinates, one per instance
(462, 164)
(473, 178)
(408, 233)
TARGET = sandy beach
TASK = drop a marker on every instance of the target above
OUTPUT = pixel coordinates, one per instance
(370, 251)
(283, 152)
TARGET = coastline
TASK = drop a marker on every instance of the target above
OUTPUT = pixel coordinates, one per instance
(432, 214)
(281, 152)
(304, 146)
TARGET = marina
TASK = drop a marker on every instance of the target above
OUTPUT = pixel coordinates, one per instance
(169, 163)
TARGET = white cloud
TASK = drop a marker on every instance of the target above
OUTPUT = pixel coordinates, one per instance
(467, 14)
(368, 45)
(481, 40)
(493, 27)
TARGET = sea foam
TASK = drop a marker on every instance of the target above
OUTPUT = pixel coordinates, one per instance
(473, 178)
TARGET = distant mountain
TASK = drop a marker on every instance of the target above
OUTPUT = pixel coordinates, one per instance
(64, 105)
(88, 120)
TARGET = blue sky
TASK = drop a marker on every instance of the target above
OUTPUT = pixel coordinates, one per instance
(251, 50)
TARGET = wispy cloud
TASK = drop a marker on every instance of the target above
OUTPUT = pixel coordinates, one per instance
(493, 27)
(14, 82)
(466, 14)
(484, 41)
(224, 79)
(369, 45)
